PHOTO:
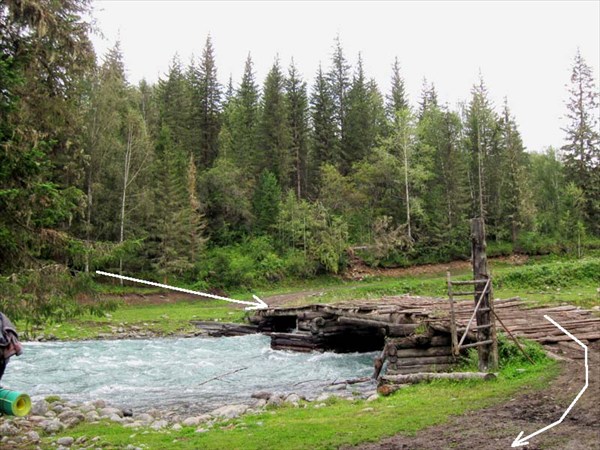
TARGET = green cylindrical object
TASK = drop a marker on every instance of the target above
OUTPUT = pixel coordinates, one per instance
(14, 403)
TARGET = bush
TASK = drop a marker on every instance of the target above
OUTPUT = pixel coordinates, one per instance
(296, 265)
(509, 353)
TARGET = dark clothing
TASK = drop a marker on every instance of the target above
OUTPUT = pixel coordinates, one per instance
(9, 342)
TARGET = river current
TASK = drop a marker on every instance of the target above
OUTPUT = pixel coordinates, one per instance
(175, 371)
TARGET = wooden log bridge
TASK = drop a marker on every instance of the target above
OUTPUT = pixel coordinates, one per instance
(413, 334)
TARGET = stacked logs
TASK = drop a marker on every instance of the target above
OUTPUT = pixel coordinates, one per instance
(414, 354)
(412, 333)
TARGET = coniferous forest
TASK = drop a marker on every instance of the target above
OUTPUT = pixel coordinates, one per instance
(239, 184)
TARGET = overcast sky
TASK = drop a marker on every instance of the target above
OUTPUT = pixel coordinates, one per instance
(523, 49)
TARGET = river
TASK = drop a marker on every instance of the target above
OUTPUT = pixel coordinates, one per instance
(169, 372)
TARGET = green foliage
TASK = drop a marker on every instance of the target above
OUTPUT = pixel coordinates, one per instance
(322, 236)
(555, 274)
(46, 295)
(510, 356)
(266, 201)
(251, 263)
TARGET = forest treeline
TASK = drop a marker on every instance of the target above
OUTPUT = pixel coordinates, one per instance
(240, 183)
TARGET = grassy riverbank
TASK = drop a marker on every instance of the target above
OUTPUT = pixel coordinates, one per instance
(340, 423)
(537, 282)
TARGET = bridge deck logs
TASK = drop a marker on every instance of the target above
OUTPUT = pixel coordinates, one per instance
(411, 333)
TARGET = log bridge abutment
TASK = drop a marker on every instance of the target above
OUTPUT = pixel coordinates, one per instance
(412, 334)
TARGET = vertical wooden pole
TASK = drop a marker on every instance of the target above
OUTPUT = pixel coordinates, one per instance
(452, 317)
(487, 361)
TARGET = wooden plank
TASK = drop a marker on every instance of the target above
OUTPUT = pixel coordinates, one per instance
(429, 376)
(476, 344)
(425, 360)
(469, 282)
(421, 368)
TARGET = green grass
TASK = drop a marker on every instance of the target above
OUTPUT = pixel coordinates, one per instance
(341, 422)
(164, 319)
(544, 281)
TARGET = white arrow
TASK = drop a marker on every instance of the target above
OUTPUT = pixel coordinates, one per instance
(258, 304)
(519, 441)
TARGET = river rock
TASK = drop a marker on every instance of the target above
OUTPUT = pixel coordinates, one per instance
(52, 426)
(275, 400)
(70, 417)
(66, 441)
(154, 413)
(40, 408)
(36, 419)
(191, 422)
(230, 411)
(294, 399)
(127, 412)
(115, 418)
(259, 403)
(145, 418)
(159, 424)
(264, 395)
(8, 429)
(100, 404)
(201, 430)
(87, 407)
(92, 416)
(32, 436)
(108, 411)
(176, 427)
(57, 408)
(322, 397)
(372, 397)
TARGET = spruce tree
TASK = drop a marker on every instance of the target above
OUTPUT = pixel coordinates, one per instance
(359, 135)
(175, 105)
(581, 153)
(266, 202)
(339, 82)
(480, 142)
(396, 99)
(324, 143)
(297, 102)
(443, 188)
(275, 154)
(210, 106)
(516, 201)
(240, 137)
(428, 98)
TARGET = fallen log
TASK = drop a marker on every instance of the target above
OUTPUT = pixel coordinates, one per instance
(564, 337)
(420, 352)
(429, 376)
(421, 341)
(396, 370)
(422, 360)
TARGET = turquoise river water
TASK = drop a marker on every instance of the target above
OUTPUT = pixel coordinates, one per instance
(173, 371)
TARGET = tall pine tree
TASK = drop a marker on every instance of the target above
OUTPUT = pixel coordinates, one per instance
(324, 142)
(274, 133)
(297, 102)
(581, 153)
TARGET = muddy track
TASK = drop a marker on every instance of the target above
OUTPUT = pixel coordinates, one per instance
(496, 427)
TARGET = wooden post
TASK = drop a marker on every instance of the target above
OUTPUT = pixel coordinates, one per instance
(452, 317)
(488, 359)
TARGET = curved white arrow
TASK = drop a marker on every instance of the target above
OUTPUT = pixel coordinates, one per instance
(257, 304)
(519, 441)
